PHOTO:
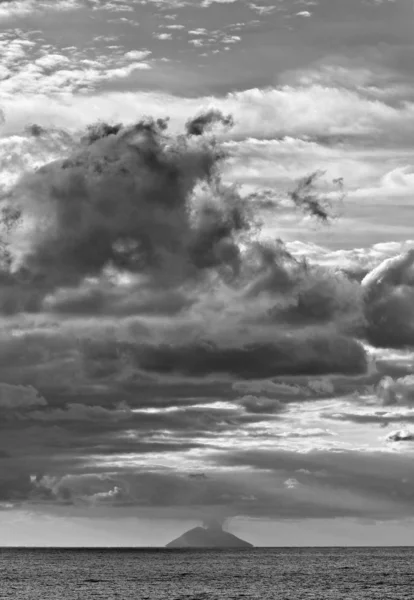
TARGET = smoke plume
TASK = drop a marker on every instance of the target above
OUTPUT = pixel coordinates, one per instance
(216, 523)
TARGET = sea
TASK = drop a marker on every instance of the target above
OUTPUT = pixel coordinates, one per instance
(260, 573)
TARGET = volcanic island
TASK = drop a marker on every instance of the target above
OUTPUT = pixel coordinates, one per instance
(211, 536)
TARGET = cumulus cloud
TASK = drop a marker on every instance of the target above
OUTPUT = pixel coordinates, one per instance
(389, 292)
(151, 223)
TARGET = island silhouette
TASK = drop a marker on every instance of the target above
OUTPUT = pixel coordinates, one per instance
(210, 535)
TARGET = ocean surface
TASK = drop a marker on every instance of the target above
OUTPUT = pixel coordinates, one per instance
(262, 573)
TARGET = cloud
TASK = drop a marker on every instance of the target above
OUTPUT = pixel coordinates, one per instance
(329, 483)
(281, 485)
(272, 113)
(291, 484)
(316, 354)
(52, 60)
(165, 492)
(111, 496)
(175, 26)
(137, 54)
(322, 387)
(389, 302)
(268, 387)
(260, 405)
(368, 417)
(175, 224)
(398, 182)
(153, 318)
(19, 396)
(197, 125)
(148, 229)
(356, 262)
(18, 8)
(81, 412)
(401, 436)
(269, 145)
(207, 3)
(198, 31)
(137, 292)
(263, 10)
(35, 68)
(163, 36)
(396, 391)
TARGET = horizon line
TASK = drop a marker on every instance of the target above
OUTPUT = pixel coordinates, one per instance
(134, 548)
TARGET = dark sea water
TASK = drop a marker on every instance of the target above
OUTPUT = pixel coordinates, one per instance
(280, 574)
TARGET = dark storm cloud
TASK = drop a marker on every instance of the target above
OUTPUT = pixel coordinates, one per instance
(312, 355)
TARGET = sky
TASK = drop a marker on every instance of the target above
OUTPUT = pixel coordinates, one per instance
(206, 271)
